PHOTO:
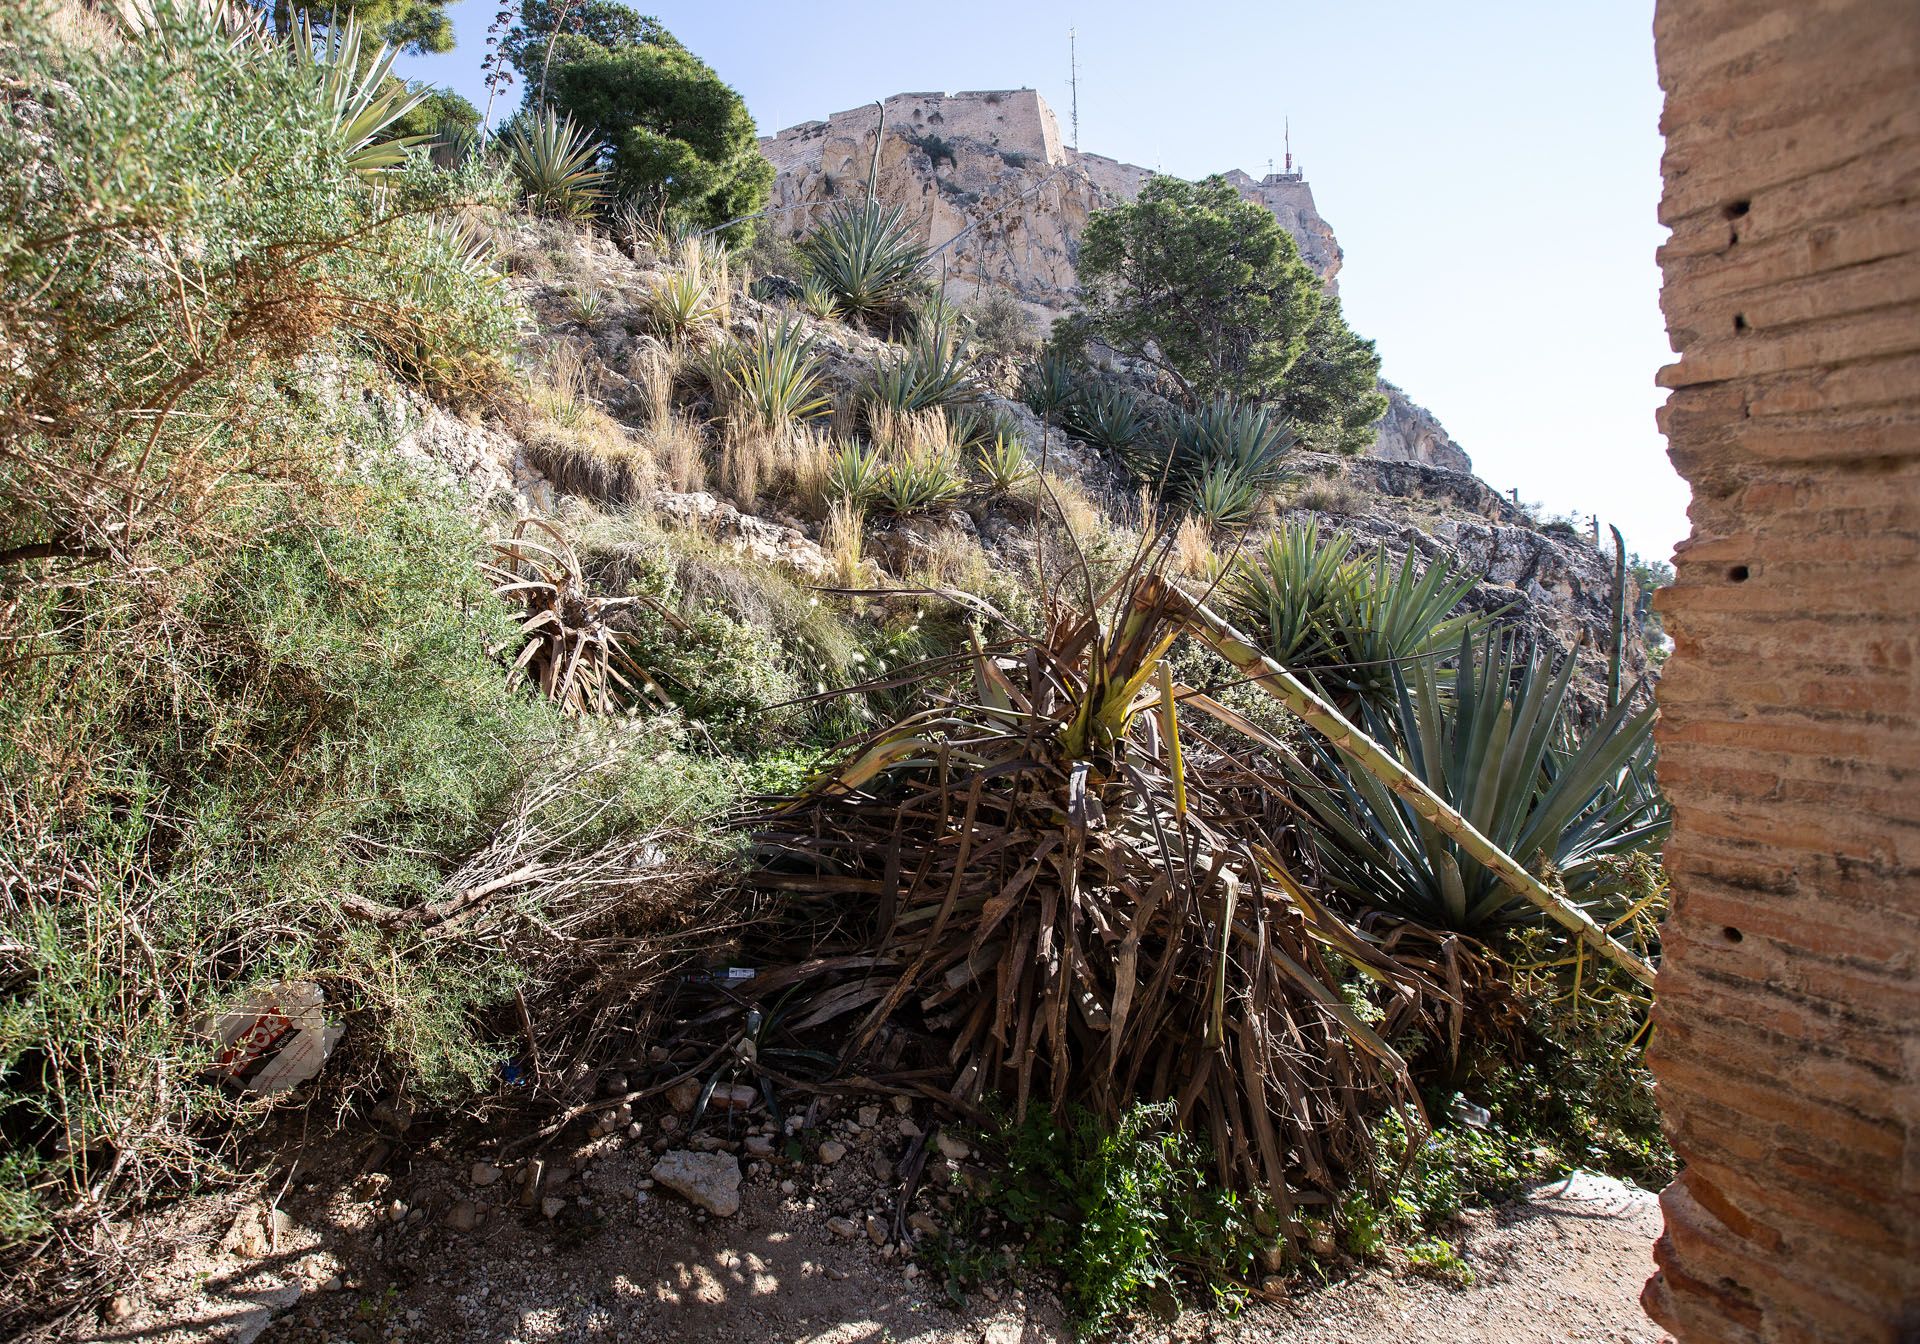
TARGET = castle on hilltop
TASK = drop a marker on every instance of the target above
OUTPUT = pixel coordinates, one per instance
(960, 160)
(1001, 200)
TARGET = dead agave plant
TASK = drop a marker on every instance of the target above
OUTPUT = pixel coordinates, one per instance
(1060, 876)
(571, 647)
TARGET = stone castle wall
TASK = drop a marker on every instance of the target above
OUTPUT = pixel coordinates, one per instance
(1787, 1047)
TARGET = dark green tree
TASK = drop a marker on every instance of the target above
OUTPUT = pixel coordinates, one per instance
(1208, 287)
(676, 133)
(417, 26)
(1331, 396)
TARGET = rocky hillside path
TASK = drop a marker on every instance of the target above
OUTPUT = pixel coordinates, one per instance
(599, 1248)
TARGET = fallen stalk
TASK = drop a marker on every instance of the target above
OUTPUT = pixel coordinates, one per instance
(1290, 691)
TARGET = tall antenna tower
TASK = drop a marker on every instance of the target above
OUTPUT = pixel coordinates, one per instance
(1288, 125)
(1073, 78)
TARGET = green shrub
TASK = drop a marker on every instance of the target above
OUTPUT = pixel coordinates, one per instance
(1127, 1217)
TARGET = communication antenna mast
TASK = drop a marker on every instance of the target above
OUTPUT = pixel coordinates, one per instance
(1073, 79)
(1287, 124)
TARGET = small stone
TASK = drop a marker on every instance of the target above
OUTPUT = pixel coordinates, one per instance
(613, 1084)
(118, 1309)
(901, 1105)
(760, 1145)
(909, 1130)
(558, 1176)
(924, 1223)
(463, 1216)
(844, 1228)
(708, 1180)
(951, 1148)
(733, 1097)
(483, 1174)
(876, 1230)
(882, 1167)
(550, 1206)
(333, 1285)
(831, 1152)
(669, 1124)
(634, 1130)
(684, 1095)
(1272, 1259)
(1273, 1285)
(789, 1188)
(396, 1212)
(911, 1271)
(869, 1116)
(837, 1275)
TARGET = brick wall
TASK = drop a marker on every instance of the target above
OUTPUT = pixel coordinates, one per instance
(1788, 1046)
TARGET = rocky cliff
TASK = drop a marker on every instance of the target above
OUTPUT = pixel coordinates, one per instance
(1002, 201)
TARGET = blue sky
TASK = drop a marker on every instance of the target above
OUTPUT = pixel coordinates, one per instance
(1490, 169)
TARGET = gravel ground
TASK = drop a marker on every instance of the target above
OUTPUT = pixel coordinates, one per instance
(445, 1244)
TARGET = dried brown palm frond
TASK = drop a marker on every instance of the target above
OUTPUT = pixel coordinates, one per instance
(572, 649)
(1063, 880)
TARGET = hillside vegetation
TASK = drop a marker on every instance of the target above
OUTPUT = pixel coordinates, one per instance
(460, 575)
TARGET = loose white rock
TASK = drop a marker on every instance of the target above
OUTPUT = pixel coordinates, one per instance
(709, 1180)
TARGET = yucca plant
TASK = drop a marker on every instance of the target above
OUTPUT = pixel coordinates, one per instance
(1108, 416)
(1050, 867)
(932, 372)
(777, 378)
(358, 92)
(1342, 620)
(570, 647)
(557, 164)
(1244, 436)
(1003, 465)
(979, 426)
(854, 474)
(918, 483)
(692, 298)
(1496, 739)
(817, 299)
(1049, 386)
(868, 257)
(1223, 496)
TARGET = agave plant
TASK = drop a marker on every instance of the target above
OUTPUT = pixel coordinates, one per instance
(931, 373)
(1247, 437)
(557, 165)
(1223, 496)
(777, 378)
(359, 94)
(1107, 416)
(1049, 386)
(1499, 745)
(1343, 621)
(979, 426)
(817, 299)
(1003, 465)
(868, 256)
(570, 647)
(854, 474)
(692, 297)
(918, 483)
(1064, 885)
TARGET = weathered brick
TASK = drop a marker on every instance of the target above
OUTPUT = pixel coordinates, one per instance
(1787, 1041)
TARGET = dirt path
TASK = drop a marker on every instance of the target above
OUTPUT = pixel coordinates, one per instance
(590, 1249)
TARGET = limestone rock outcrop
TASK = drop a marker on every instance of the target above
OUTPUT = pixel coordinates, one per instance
(1002, 201)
